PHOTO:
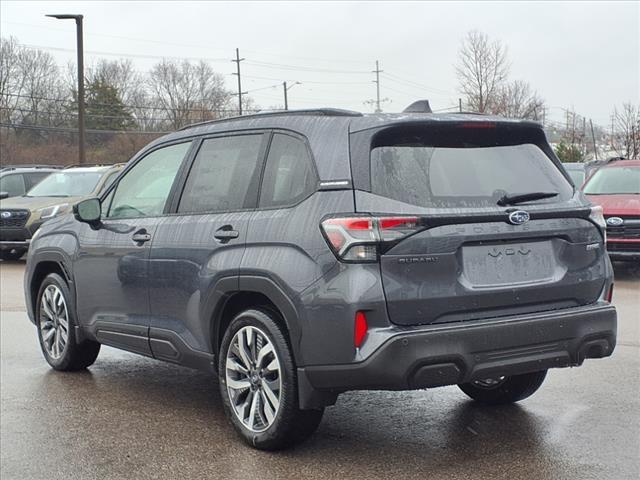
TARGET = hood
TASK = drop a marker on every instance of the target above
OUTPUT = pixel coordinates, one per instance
(33, 203)
(618, 205)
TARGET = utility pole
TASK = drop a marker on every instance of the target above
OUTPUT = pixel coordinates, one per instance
(286, 103)
(80, 66)
(460, 105)
(286, 89)
(613, 118)
(377, 71)
(240, 92)
(593, 137)
(377, 101)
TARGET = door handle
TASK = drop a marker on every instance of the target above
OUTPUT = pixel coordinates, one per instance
(141, 237)
(226, 233)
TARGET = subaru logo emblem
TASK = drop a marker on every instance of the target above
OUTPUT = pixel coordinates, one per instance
(518, 217)
(614, 221)
(6, 215)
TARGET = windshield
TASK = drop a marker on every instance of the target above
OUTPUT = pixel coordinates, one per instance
(66, 184)
(465, 176)
(614, 180)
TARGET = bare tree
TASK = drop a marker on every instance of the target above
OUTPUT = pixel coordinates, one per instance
(517, 100)
(11, 79)
(626, 138)
(121, 75)
(188, 92)
(482, 68)
(43, 92)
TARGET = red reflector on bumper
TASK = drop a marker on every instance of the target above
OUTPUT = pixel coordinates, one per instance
(361, 328)
(610, 294)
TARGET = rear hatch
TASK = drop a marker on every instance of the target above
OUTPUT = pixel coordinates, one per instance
(477, 250)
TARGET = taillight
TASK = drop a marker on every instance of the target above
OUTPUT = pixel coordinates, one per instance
(597, 217)
(357, 239)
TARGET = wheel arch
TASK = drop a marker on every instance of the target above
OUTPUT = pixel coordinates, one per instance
(44, 264)
(233, 296)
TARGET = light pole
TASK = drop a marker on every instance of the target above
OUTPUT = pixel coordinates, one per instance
(286, 89)
(80, 51)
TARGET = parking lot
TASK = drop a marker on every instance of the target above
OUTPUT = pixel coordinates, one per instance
(133, 417)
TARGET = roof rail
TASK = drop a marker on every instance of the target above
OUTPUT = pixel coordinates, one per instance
(14, 167)
(81, 165)
(326, 112)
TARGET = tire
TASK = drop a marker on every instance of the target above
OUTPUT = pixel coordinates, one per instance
(55, 320)
(508, 390)
(273, 375)
(12, 255)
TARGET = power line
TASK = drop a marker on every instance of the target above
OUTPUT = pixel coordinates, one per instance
(120, 54)
(190, 45)
(282, 66)
(75, 130)
(411, 84)
(124, 105)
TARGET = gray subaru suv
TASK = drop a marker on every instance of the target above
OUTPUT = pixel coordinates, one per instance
(303, 254)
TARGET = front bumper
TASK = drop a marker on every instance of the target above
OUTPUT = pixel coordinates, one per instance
(623, 249)
(450, 354)
(10, 245)
(20, 237)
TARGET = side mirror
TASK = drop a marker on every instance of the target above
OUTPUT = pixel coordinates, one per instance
(4, 195)
(88, 211)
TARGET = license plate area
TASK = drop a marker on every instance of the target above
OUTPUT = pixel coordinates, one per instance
(509, 264)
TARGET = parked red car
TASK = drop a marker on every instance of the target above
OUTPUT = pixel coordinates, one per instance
(616, 187)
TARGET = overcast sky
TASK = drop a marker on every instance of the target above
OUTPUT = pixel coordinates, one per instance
(582, 55)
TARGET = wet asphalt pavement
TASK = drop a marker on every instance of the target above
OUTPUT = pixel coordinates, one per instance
(133, 417)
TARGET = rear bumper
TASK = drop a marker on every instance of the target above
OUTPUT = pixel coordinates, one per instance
(458, 353)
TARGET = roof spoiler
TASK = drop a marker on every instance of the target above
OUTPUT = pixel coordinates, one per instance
(421, 106)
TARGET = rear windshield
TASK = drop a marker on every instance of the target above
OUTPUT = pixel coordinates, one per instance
(464, 175)
(611, 181)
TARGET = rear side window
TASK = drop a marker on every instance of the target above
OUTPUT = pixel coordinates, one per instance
(13, 184)
(289, 176)
(457, 169)
(223, 176)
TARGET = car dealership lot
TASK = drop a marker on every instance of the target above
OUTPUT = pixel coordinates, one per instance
(133, 417)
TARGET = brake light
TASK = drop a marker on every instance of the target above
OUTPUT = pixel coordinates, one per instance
(357, 239)
(360, 330)
(478, 125)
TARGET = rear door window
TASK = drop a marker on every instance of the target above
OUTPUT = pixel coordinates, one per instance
(289, 175)
(462, 172)
(224, 175)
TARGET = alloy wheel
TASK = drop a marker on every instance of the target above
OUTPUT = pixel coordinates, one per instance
(254, 379)
(54, 321)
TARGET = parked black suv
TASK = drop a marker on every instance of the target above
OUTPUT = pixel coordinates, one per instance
(303, 254)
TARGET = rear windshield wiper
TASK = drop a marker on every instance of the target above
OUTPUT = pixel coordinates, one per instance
(524, 197)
